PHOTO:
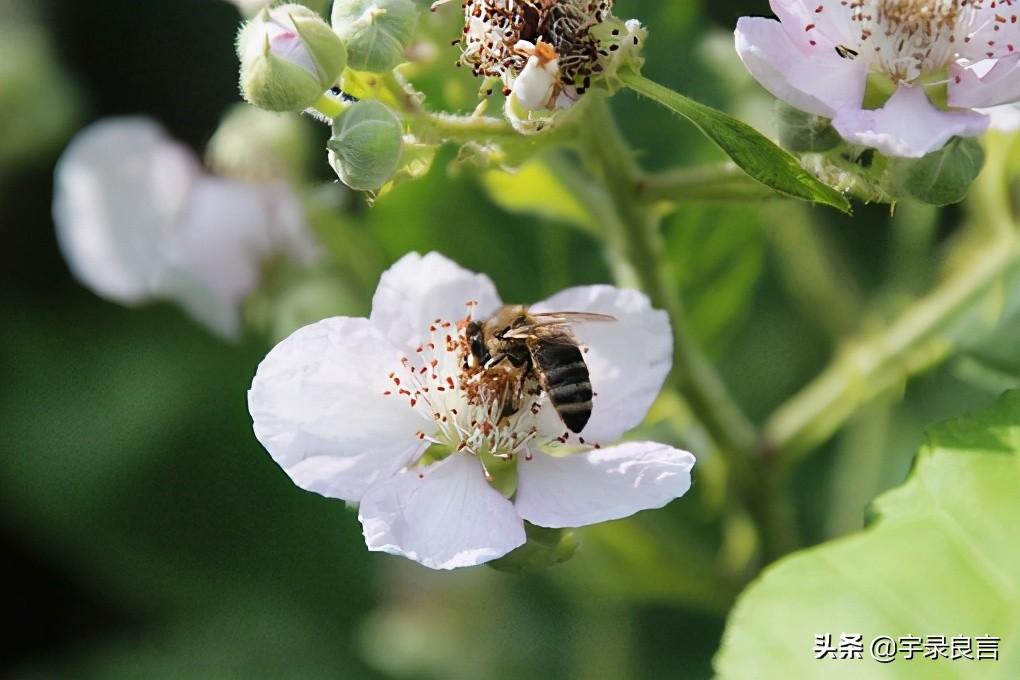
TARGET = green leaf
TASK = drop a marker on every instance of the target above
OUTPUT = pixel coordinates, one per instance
(941, 557)
(754, 153)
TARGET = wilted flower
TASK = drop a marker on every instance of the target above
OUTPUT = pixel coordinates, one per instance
(939, 59)
(547, 54)
(289, 57)
(385, 412)
(139, 219)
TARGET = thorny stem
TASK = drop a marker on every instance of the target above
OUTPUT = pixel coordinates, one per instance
(920, 338)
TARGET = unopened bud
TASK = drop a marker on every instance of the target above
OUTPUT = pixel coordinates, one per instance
(256, 145)
(376, 32)
(366, 145)
(289, 58)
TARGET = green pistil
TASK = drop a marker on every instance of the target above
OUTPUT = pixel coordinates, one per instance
(503, 472)
(881, 87)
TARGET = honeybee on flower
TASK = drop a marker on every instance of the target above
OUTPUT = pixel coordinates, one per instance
(411, 415)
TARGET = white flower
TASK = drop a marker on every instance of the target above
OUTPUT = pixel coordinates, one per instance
(820, 54)
(348, 407)
(138, 219)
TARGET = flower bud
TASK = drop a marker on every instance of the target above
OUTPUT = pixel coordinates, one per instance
(942, 177)
(802, 132)
(258, 146)
(366, 145)
(289, 58)
(376, 32)
(39, 103)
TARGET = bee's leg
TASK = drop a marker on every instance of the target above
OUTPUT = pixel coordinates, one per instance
(495, 361)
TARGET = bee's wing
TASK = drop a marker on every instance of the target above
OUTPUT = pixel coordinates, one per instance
(567, 318)
(555, 326)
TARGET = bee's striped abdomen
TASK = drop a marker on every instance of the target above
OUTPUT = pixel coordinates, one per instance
(565, 379)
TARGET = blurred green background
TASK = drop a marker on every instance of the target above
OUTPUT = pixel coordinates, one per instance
(148, 534)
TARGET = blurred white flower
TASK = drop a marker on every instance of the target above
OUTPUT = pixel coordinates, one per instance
(139, 219)
(349, 407)
(820, 55)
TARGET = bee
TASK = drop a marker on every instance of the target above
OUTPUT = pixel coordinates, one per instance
(536, 347)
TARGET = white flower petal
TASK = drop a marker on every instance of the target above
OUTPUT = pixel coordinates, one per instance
(908, 126)
(215, 253)
(827, 23)
(628, 359)
(814, 79)
(602, 485)
(969, 88)
(119, 188)
(417, 290)
(990, 30)
(534, 87)
(319, 408)
(444, 516)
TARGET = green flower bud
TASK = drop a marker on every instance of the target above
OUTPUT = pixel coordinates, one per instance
(255, 145)
(376, 32)
(39, 103)
(545, 548)
(942, 177)
(289, 58)
(802, 132)
(366, 145)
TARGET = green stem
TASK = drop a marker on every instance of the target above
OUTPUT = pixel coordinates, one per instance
(329, 106)
(869, 366)
(460, 129)
(636, 235)
(717, 182)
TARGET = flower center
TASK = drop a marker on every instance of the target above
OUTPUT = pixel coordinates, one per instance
(910, 37)
(485, 411)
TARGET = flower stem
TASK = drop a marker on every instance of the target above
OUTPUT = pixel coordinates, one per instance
(460, 129)
(633, 236)
(636, 235)
(717, 182)
(329, 106)
(923, 336)
(868, 366)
